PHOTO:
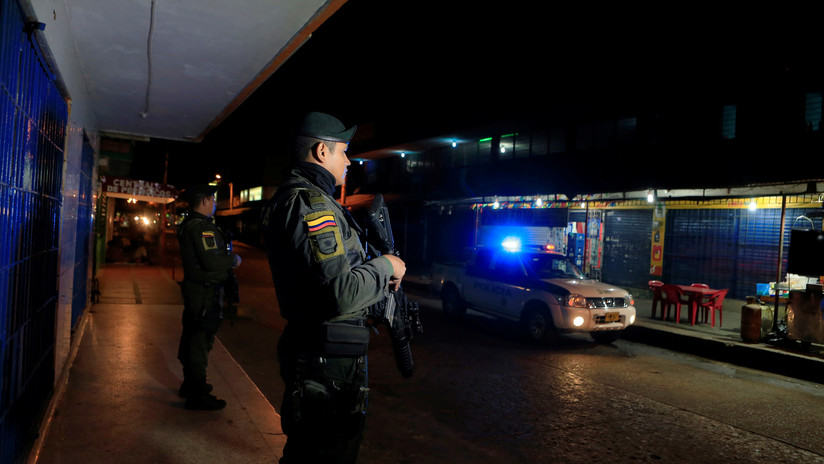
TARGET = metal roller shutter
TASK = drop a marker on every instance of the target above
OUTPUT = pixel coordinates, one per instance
(700, 247)
(627, 247)
(727, 248)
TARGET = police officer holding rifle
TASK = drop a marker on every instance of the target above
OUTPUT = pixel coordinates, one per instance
(325, 285)
(207, 265)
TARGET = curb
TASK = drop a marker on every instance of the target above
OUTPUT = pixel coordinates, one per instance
(758, 356)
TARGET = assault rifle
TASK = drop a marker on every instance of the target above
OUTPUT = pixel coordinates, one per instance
(231, 290)
(400, 314)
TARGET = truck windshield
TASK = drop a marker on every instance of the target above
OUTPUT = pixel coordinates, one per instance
(548, 266)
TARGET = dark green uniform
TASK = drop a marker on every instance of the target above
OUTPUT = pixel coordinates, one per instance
(206, 266)
(321, 276)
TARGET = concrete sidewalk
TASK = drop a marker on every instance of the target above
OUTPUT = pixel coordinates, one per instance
(724, 342)
(120, 403)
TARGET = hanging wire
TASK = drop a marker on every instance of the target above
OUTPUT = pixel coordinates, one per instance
(145, 113)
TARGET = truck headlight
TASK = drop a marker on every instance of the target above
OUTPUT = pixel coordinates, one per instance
(578, 321)
(576, 301)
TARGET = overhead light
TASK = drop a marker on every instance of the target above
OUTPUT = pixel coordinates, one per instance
(496, 205)
(454, 144)
(753, 206)
(403, 155)
(650, 196)
(538, 201)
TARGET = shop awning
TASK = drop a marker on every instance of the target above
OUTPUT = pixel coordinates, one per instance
(140, 190)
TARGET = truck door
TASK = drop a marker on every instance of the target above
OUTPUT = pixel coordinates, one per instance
(479, 280)
(510, 277)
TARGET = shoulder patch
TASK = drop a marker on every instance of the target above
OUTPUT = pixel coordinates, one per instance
(324, 235)
(316, 199)
(209, 242)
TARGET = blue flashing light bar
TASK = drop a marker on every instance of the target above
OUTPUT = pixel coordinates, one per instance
(511, 244)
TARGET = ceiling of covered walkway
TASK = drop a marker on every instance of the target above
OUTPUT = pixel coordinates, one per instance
(175, 69)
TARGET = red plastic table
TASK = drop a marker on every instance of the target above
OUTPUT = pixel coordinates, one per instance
(695, 295)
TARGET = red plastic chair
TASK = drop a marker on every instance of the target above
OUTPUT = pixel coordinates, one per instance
(655, 286)
(714, 304)
(672, 297)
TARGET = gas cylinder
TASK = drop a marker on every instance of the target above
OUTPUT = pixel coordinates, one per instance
(751, 320)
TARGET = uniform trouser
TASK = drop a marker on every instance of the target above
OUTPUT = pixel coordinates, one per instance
(196, 341)
(320, 427)
(323, 439)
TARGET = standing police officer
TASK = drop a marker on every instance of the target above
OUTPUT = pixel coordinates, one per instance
(206, 267)
(324, 285)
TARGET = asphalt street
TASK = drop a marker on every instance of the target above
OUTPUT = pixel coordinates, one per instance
(481, 394)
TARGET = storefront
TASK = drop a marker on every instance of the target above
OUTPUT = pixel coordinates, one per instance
(732, 242)
(134, 220)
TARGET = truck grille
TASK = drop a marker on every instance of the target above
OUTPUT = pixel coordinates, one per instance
(593, 303)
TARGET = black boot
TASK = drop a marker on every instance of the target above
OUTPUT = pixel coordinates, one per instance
(186, 389)
(205, 402)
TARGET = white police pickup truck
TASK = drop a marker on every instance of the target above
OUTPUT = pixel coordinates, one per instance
(541, 289)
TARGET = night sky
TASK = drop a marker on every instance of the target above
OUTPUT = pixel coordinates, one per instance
(433, 66)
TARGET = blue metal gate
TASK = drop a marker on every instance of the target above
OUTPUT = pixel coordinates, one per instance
(727, 248)
(33, 118)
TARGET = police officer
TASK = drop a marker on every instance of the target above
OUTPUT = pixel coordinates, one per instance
(206, 267)
(324, 285)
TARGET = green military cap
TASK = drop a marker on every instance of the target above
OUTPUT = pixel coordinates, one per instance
(326, 127)
(193, 192)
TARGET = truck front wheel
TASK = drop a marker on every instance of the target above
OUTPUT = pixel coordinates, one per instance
(538, 325)
(453, 306)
